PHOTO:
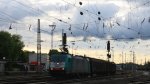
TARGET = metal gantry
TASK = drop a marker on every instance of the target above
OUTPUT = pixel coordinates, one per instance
(38, 47)
(52, 31)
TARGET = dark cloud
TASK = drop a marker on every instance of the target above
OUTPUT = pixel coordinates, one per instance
(129, 29)
(90, 24)
(17, 10)
(14, 11)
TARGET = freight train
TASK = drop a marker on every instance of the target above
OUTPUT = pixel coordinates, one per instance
(66, 64)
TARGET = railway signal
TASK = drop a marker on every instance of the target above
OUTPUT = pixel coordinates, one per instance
(108, 46)
(108, 49)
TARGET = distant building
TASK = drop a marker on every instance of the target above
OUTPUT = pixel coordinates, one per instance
(127, 66)
(33, 61)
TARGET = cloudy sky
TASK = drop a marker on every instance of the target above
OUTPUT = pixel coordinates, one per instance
(90, 23)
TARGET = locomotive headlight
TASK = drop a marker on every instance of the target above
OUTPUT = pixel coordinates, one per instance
(57, 63)
(62, 68)
(51, 68)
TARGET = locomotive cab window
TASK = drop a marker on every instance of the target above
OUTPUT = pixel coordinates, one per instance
(58, 58)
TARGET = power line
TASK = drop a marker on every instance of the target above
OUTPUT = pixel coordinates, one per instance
(80, 29)
(9, 16)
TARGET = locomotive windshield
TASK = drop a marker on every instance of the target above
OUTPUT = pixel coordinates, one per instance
(58, 58)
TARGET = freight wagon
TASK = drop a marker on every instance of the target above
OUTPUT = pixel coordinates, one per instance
(66, 64)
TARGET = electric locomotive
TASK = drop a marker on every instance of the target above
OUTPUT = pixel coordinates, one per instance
(60, 64)
(66, 64)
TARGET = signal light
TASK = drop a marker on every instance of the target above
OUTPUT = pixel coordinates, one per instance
(109, 55)
(80, 3)
(99, 18)
(81, 13)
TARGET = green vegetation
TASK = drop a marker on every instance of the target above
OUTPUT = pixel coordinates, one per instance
(53, 52)
(145, 67)
(11, 50)
(10, 46)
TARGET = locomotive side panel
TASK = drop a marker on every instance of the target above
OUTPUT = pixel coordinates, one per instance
(68, 65)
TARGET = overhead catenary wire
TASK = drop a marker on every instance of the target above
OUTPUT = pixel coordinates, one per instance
(93, 22)
(57, 19)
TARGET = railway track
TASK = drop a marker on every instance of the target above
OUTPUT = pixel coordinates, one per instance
(76, 81)
(44, 80)
(94, 80)
(24, 80)
(140, 80)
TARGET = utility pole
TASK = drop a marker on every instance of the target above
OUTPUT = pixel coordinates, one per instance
(130, 56)
(53, 28)
(125, 58)
(141, 61)
(145, 60)
(133, 61)
(133, 57)
(108, 50)
(125, 62)
(122, 60)
(38, 47)
(73, 43)
(112, 54)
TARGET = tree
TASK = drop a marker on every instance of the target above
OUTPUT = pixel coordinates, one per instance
(10, 46)
(147, 66)
(5, 45)
(53, 52)
(24, 56)
(17, 47)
